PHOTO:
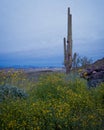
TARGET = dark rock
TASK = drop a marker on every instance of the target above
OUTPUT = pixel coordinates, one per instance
(94, 76)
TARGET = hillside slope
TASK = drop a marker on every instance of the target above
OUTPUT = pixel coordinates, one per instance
(98, 63)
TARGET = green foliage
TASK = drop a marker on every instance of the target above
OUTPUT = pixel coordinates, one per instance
(7, 91)
(55, 103)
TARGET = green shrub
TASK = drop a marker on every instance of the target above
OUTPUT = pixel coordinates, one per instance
(55, 104)
(7, 91)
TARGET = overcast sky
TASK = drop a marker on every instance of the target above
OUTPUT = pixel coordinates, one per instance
(32, 31)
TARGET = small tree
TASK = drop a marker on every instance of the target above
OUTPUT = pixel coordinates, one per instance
(84, 61)
(79, 61)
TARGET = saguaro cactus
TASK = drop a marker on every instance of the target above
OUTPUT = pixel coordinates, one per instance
(68, 45)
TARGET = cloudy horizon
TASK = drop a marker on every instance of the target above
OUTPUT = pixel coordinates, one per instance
(32, 31)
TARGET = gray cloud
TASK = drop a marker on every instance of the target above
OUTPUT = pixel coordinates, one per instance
(34, 29)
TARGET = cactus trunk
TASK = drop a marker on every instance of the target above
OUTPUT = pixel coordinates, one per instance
(68, 45)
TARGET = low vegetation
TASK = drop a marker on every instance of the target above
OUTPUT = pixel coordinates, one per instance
(54, 102)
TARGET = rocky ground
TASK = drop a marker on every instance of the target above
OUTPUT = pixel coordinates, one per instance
(94, 74)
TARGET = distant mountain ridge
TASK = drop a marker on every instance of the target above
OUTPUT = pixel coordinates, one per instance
(98, 63)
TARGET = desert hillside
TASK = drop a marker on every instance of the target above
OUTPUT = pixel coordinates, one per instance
(99, 63)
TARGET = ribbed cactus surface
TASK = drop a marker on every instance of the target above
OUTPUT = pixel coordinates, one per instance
(68, 45)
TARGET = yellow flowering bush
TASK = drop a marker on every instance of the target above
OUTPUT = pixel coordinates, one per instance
(16, 78)
(55, 102)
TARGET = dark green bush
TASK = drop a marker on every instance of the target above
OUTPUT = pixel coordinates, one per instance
(7, 91)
